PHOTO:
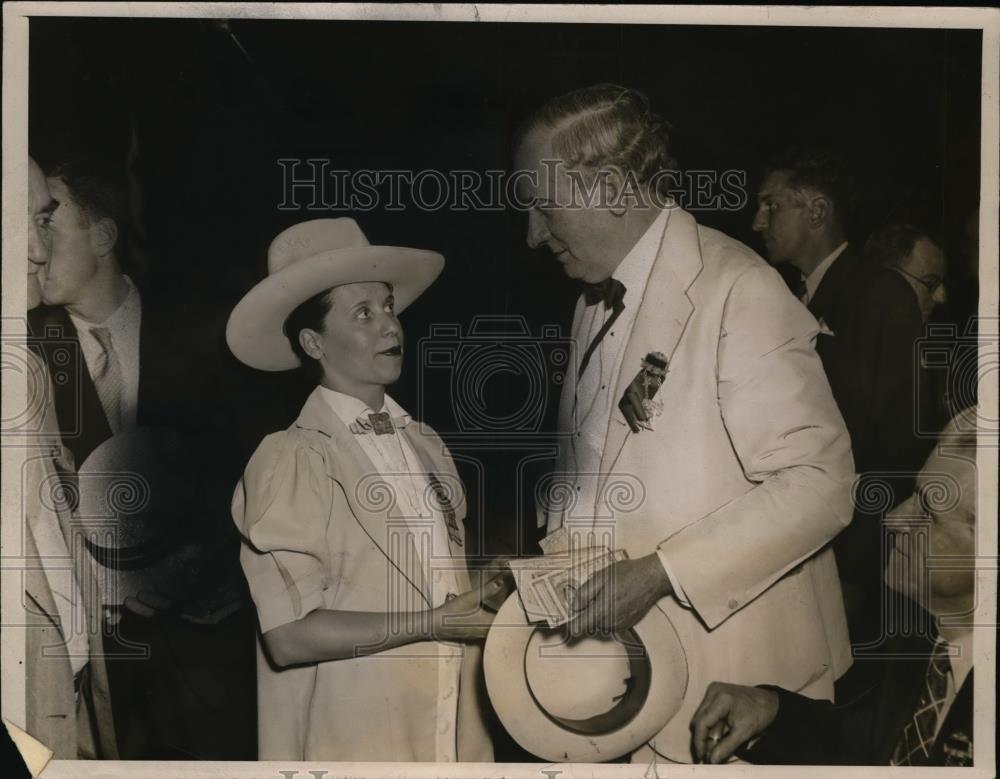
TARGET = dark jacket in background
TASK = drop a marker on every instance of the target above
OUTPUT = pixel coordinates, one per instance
(864, 729)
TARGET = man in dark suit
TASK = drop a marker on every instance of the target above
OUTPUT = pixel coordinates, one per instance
(138, 364)
(876, 350)
(919, 710)
(803, 215)
(803, 211)
(888, 401)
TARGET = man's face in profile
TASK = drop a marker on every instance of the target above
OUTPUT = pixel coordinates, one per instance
(561, 220)
(781, 218)
(932, 559)
(40, 208)
(928, 265)
(73, 262)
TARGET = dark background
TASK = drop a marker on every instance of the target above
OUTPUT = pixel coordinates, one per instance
(201, 122)
(207, 119)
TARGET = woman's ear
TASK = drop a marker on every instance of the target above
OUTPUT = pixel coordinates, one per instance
(309, 340)
(103, 236)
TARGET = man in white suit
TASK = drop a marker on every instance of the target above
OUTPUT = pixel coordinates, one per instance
(67, 702)
(741, 458)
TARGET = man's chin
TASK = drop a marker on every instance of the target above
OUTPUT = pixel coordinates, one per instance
(34, 291)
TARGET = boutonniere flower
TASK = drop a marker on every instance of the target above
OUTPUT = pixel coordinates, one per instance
(638, 403)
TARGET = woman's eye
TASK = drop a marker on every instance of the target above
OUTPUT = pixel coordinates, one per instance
(364, 313)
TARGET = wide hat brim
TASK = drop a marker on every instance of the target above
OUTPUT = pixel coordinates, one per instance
(552, 739)
(254, 331)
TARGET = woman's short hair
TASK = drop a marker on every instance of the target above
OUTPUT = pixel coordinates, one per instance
(309, 315)
(606, 125)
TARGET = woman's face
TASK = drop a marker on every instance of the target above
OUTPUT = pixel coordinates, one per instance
(361, 345)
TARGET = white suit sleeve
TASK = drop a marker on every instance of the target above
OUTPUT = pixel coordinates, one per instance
(791, 441)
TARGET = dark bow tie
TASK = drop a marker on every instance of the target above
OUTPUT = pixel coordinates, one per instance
(611, 291)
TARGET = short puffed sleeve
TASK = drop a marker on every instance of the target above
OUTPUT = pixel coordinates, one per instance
(282, 508)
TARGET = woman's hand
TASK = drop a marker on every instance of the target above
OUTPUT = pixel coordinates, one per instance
(463, 618)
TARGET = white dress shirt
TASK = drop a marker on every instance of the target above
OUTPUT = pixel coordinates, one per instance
(594, 401)
(123, 326)
(400, 468)
(814, 279)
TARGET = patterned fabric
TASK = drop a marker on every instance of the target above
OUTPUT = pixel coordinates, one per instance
(441, 494)
(382, 423)
(918, 736)
(108, 378)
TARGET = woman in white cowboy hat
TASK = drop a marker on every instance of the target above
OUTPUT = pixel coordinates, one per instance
(353, 542)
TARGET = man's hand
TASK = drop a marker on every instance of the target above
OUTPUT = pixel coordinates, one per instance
(617, 597)
(728, 717)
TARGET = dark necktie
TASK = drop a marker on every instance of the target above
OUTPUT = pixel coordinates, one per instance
(612, 293)
(797, 284)
(914, 745)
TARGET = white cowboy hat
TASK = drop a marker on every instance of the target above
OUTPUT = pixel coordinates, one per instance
(306, 259)
(588, 701)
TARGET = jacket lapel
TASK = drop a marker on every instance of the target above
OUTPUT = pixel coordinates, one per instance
(837, 276)
(356, 473)
(78, 406)
(449, 493)
(663, 314)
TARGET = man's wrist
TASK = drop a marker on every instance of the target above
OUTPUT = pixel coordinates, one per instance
(658, 573)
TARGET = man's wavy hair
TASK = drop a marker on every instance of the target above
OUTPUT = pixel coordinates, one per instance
(100, 190)
(823, 169)
(604, 125)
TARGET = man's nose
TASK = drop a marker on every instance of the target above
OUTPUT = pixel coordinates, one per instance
(537, 231)
(38, 251)
(760, 219)
(940, 295)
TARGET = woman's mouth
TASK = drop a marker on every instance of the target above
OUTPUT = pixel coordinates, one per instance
(393, 351)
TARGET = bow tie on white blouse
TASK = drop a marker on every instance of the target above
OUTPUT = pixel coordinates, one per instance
(381, 423)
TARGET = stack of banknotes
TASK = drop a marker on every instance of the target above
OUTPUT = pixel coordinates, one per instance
(546, 584)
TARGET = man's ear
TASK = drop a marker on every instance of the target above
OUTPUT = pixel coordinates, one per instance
(820, 210)
(309, 340)
(615, 193)
(103, 236)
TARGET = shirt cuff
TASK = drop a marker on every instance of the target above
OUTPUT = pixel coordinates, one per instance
(675, 585)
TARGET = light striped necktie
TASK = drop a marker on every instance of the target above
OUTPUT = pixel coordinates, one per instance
(108, 378)
(381, 423)
(914, 745)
